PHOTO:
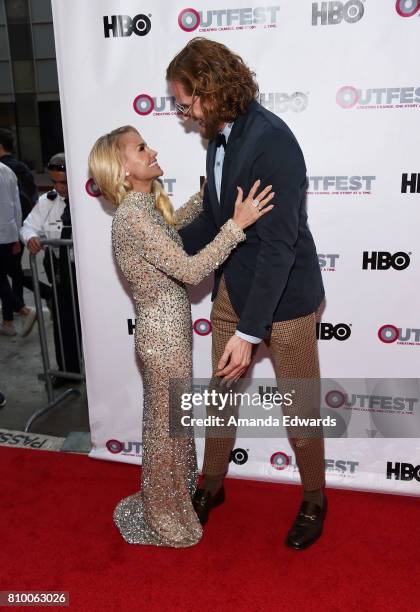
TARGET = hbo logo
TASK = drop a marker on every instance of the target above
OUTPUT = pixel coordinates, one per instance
(382, 260)
(403, 471)
(278, 102)
(330, 13)
(328, 331)
(239, 456)
(123, 25)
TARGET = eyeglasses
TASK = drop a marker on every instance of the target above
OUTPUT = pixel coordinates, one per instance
(185, 109)
(57, 167)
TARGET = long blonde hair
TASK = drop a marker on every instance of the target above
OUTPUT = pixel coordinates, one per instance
(107, 170)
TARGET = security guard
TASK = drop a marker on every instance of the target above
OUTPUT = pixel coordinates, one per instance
(50, 219)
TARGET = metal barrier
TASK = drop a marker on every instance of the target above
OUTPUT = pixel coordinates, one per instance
(60, 272)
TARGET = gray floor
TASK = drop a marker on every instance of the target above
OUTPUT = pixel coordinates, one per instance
(20, 365)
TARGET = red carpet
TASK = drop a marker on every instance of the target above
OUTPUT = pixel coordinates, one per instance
(57, 534)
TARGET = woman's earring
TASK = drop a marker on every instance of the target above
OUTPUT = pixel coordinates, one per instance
(127, 174)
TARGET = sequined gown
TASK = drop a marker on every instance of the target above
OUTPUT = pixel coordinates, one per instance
(150, 255)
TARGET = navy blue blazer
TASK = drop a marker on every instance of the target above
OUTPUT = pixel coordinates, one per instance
(274, 275)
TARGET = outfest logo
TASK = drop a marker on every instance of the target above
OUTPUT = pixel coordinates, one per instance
(407, 8)
(216, 20)
(401, 335)
(159, 106)
(282, 461)
(202, 327)
(328, 261)
(365, 402)
(132, 448)
(92, 188)
(349, 96)
(340, 185)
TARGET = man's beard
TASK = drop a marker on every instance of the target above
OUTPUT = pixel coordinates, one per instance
(210, 127)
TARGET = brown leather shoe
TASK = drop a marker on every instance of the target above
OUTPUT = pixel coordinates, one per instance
(308, 524)
(204, 502)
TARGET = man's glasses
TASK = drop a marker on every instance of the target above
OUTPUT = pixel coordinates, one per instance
(57, 167)
(185, 109)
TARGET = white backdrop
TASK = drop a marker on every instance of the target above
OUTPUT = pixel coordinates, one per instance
(345, 77)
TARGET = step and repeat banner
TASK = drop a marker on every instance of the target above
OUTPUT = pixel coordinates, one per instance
(345, 77)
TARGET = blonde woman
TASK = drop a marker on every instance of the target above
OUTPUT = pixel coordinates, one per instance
(149, 253)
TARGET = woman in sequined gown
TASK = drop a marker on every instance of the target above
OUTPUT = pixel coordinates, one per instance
(149, 253)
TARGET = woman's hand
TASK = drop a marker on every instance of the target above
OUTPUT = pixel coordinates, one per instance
(253, 207)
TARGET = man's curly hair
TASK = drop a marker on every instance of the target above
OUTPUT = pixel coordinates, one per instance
(225, 85)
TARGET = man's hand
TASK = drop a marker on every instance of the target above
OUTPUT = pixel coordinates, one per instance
(16, 248)
(235, 360)
(34, 245)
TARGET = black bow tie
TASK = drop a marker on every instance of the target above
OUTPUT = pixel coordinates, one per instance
(220, 140)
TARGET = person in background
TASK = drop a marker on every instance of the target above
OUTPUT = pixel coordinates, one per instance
(28, 191)
(10, 222)
(28, 195)
(50, 219)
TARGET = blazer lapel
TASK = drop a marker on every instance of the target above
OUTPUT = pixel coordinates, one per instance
(227, 176)
(211, 154)
(223, 210)
(231, 162)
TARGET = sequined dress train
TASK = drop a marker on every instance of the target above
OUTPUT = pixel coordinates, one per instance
(150, 255)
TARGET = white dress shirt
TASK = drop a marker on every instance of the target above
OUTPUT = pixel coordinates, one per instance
(10, 208)
(218, 172)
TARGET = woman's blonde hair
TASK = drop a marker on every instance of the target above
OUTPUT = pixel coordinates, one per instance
(107, 170)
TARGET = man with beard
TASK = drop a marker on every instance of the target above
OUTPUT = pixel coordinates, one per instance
(270, 286)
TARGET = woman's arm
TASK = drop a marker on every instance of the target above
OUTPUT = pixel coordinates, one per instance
(189, 211)
(152, 243)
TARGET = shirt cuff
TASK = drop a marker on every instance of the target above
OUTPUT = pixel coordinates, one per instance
(25, 235)
(251, 339)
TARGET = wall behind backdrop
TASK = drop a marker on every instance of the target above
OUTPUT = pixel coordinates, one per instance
(344, 76)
